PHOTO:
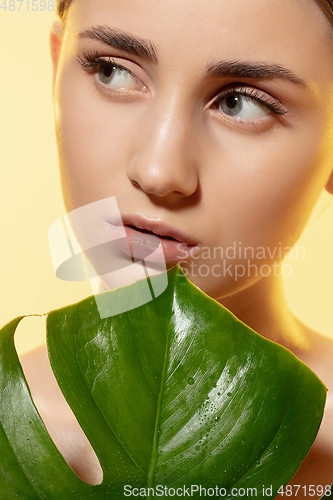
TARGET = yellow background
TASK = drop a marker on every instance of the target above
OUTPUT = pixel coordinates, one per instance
(30, 195)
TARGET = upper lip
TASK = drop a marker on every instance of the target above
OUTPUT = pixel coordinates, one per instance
(157, 227)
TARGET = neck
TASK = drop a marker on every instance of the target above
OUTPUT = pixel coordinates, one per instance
(263, 307)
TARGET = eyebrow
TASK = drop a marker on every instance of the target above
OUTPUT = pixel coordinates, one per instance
(122, 41)
(241, 69)
(145, 49)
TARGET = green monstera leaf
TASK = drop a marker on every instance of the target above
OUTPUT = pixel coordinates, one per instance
(176, 393)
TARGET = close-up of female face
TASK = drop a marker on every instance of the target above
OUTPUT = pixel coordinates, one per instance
(209, 121)
(190, 132)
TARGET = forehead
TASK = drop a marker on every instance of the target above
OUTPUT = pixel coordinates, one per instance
(293, 33)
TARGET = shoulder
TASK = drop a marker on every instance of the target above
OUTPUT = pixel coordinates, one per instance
(318, 355)
(58, 417)
(45, 392)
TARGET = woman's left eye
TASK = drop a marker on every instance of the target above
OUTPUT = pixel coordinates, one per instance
(241, 106)
(118, 77)
(248, 103)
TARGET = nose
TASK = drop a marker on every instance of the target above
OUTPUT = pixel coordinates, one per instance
(163, 162)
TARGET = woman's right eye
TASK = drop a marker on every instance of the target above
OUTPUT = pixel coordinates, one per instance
(112, 75)
(118, 77)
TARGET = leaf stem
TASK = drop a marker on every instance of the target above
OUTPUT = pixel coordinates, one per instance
(152, 467)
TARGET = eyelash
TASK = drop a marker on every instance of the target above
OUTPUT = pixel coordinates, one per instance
(253, 93)
(92, 60)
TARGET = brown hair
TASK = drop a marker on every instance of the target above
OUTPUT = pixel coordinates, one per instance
(63, 7)
(325, 5)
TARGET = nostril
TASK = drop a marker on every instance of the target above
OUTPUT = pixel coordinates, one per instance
(135, 184)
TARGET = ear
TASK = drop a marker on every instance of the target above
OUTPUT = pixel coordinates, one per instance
(329, 184)
(55, 44)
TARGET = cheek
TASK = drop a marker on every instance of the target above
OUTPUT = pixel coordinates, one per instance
(267, 185)
(94, 144)
(261, 195)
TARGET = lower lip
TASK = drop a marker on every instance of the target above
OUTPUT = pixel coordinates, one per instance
(151, 248)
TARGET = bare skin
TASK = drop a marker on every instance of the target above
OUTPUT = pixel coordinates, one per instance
(163, 142)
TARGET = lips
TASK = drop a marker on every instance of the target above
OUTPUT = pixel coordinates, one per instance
(157, 227)
(153, 240)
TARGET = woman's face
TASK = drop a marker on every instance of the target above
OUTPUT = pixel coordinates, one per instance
(215, 130)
